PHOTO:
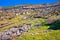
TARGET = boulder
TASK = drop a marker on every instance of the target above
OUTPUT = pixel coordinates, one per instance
(5, 37)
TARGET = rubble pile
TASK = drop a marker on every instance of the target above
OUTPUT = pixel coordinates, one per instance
(14, 32)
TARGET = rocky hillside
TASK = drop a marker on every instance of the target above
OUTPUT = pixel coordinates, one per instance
(40, 10)
(30, 22)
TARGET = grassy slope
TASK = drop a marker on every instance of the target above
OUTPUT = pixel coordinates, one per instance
(35, 33)
(38, 34)
(14, 20)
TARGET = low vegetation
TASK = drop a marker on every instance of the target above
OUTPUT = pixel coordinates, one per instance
(44, 23)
